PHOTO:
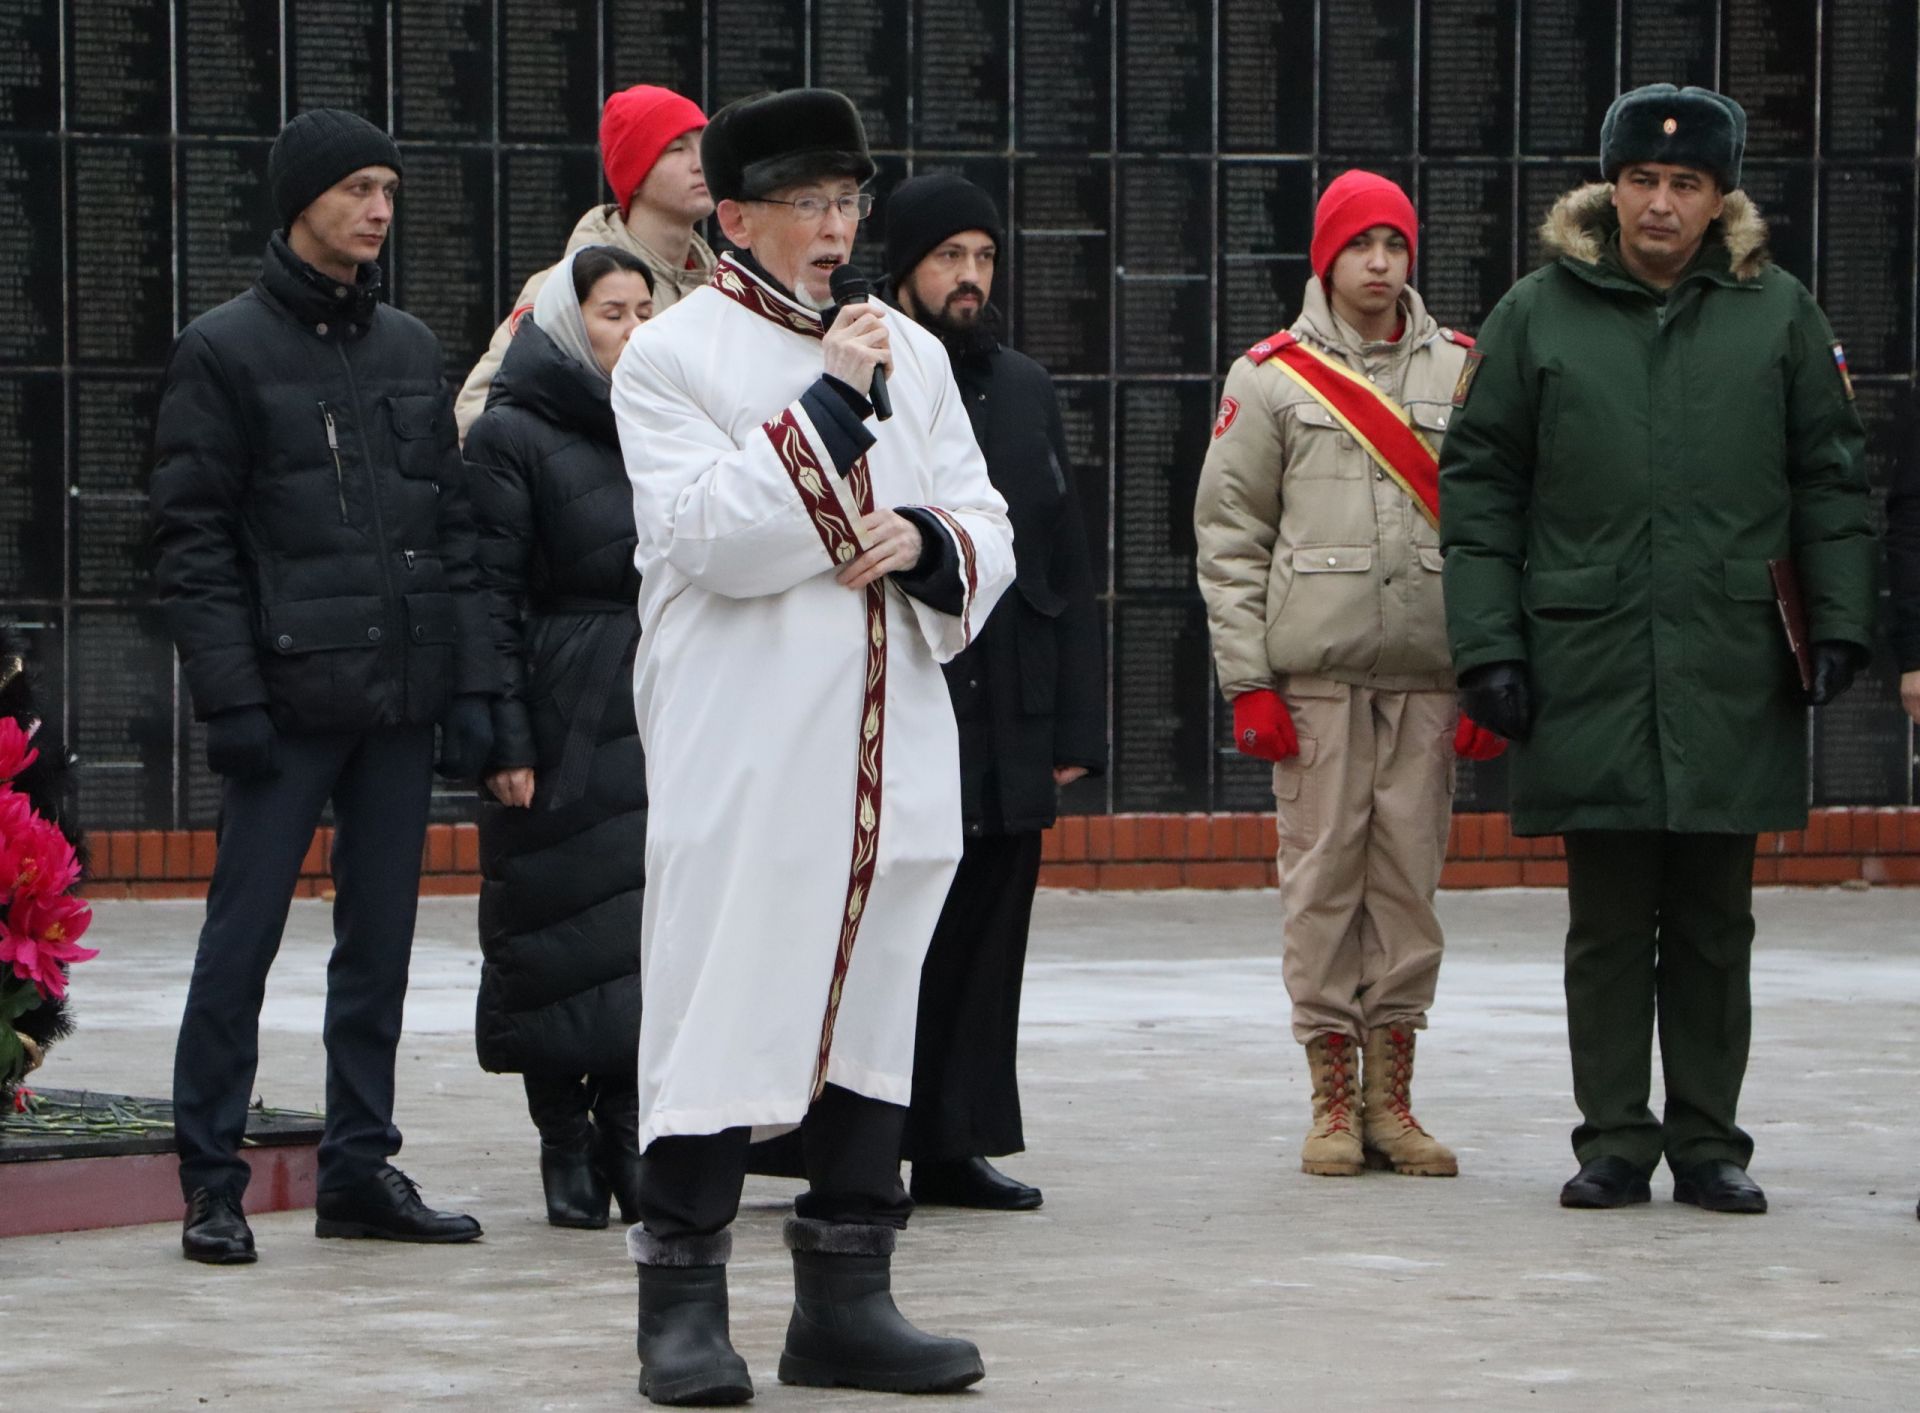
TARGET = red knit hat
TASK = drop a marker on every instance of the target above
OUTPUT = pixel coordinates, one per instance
(635, 128)
(1358, 201)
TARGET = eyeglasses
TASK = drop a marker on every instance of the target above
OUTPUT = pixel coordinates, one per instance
(855, 206)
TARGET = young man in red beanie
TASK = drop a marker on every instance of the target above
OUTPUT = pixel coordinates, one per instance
(1319, 559)
(650, 148)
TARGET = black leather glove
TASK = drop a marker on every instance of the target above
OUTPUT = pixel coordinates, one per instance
(1497, 696)
(1833, 667)
(466, 737)
(240, 744)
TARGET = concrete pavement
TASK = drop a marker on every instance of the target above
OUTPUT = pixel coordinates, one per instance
(1181, 1260)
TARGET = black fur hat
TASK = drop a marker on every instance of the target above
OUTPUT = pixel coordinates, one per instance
(772, 140)
(1688, 127)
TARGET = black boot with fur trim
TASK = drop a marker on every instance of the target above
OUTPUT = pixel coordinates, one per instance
(687, 1358)
(847, 1333)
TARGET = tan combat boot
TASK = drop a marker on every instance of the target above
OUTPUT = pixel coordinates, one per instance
(1393, 1137)
(1333, 1148)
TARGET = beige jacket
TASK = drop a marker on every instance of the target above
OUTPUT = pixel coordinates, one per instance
(600, 226)
(1311, 560)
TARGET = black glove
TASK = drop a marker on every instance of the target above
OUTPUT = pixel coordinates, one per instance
(466, 737)
(240, 744)
(1833, 667)
(1496, 695)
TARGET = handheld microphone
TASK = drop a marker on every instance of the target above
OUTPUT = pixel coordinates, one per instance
(848, 286)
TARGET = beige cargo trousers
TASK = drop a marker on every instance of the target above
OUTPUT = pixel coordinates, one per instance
(1363, 812)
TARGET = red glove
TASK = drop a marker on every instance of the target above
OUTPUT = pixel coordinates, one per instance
(1262, 727)
(1472, 741)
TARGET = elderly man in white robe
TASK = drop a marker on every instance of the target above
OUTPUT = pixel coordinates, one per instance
(806, 566)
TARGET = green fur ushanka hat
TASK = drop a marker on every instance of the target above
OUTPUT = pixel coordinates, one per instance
(1688, 127)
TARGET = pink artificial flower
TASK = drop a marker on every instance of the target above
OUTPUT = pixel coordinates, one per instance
(43, 861)
(41, 933)
(22, 1097)
(17, 821)
(15, 752)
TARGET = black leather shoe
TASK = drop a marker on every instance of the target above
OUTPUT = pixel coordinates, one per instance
(576, 1194)
(216, 1230)
(1606, 1182)
(1719, 1185)
(387, 1207)
(971, 1182)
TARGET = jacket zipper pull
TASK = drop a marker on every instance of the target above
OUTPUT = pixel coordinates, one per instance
(409, 557)
(339, 473)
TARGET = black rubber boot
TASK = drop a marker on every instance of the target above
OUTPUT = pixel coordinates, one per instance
(616, 1148)
(686, 1356)
(576, 1195)
(847, 1333)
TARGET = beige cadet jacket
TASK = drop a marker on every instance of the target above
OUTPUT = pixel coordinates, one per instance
(1312, 561)
(600, 226)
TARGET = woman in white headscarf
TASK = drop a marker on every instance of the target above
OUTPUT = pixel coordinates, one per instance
(562, 852)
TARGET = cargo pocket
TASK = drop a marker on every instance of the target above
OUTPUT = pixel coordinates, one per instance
(1294, 796)
(432, 631)
(320, 659)
(418, 439)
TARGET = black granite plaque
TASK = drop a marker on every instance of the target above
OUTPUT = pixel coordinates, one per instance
(859, 48)
(337, 56)
(1086, 408)
(443, 258)
(1062, 254)
(543, 194)
(1266, 76)
(1867, 98)
(1466, 253)
(121, 699)
(1366, 78)
(1162, 698)
(1541, 185)
(1166, 75)
(1566, 75)
(961, 74)
(1258, 297)
(1063, 196)
(869, 238)
(1166, 252)
(229, 66)
(30, 66)
(110, 558)
(1866, 265)
(1669, 41)
(1886, 409)
(1240, 782)
(112, 432)
(1861, 750)
(200, 788)
(30, 250)
(33, 453)
(1771, 47)
(117, 66)
(1063, 88)
(1266, 208)
(443, 70)
(1784, 193)
(549, 70)
(1480, 785)
(658, 43)
(120, 250)
(1161, 439)
(41, 632)
(226, 216)
(1466, 68)
(754, 44)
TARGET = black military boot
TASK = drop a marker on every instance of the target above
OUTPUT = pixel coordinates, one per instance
(216, 1230)
(576, 1195)
(686, 1355)
(847, 1333)
(616, 1148)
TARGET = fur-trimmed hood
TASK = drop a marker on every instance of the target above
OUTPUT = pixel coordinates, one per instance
(1578, 224)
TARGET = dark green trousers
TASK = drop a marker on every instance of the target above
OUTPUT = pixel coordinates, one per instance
(1660, 931)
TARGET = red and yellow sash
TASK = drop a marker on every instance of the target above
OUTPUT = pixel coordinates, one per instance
(1376, 421)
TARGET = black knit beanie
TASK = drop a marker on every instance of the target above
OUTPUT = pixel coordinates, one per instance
(317, 149)
(923, 211)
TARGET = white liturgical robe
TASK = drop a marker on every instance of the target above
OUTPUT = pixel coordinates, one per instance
(802, 761)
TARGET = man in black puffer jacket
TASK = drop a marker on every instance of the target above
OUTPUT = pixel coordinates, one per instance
(315, 567)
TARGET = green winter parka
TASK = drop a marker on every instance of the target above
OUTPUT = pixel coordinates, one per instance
(1619, 472)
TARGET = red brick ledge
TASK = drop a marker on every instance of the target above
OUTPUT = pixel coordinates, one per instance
(1880, 846)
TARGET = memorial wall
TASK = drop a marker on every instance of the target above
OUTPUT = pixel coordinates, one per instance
(1159, 160)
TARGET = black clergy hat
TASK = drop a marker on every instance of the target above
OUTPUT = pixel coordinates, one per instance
(1688, 127)
(758, 145)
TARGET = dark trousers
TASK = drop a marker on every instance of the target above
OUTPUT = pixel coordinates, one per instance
(1660, 933)
(567, 1108)
(690, 1184)
(379, 782)
(966, 1096)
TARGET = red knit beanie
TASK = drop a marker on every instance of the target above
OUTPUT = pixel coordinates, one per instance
(1358, 201)
(635, 128)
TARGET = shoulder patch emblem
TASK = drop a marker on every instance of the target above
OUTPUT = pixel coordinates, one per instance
(1464, 384)
(1269, 346)
(513, 319)
(1840, 362)
(1229, 409)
